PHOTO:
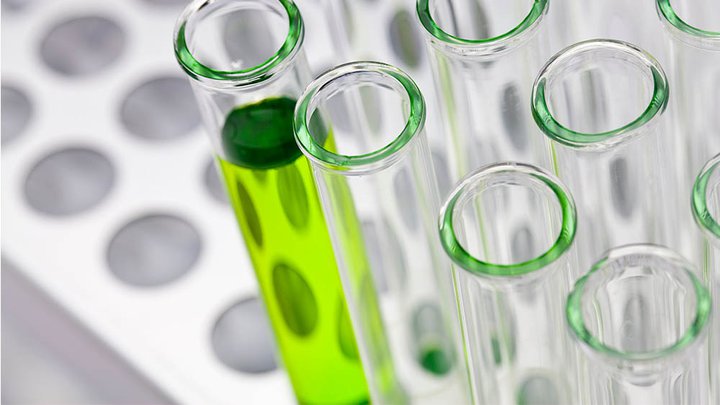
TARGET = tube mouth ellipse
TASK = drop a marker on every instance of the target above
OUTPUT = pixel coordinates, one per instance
(625, 258)
(242, 77)
(468, 188)
(371, 73)
(700, 206)
(687, 33)
(482, 46)
(623, 51)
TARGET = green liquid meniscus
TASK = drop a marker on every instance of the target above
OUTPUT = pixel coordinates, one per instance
(277, 207)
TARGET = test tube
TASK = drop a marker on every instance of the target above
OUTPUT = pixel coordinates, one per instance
(706, 210)
(693, 30)
(484, 56)
(509, 228)
(601, 105)
(247, 67)
(641, 317)
(375, 179)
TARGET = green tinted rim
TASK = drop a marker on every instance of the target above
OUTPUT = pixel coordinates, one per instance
(576, 321)
(317, 152)
(467, 261)
(667, 11)
(425, 16)
(556, 131)
(700, 200)
(253, 74)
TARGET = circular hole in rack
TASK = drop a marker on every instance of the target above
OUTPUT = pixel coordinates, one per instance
(213, 182)
(69, 181)
(160, 108)
(242, 339)
(82, 45)
(154, 250)
(17, 111)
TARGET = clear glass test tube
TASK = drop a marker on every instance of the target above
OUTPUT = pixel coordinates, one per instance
(601, 104)
(375, 178)
(484, 56)
(693, 28)
(706, 210)
(641, 319)
(247, 67)
(509, 228)
(401, 44)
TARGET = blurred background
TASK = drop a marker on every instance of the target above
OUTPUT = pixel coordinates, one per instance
(124, 278)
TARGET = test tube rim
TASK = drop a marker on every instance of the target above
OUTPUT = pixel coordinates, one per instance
(566, 136)
(701, 212)
(687, 32)
(243, 77)
(369, 162)
(460, 256)
(696, 329)
(531, 20)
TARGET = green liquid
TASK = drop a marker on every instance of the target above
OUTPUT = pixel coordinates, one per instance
(435, 360)
(277, 207)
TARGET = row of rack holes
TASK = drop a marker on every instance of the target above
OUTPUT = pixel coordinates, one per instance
(151, 250)
(162, 108)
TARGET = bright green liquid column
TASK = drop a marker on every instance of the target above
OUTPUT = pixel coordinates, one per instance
(276, 204)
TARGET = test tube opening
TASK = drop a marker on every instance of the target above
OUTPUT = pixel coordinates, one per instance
(508, 219)
(706, 199)
(358, 116)
(598, 93)
(640, 303)
(237, 40)
(693, 18)
(479, 23)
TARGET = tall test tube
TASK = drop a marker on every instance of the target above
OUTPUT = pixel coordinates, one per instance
(509, 228)
(376, 181)
(693, 28)
(706, 210)
(246, 86)
(641, 319)
(601, 104)
(484, 57)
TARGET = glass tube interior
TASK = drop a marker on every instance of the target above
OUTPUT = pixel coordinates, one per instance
(361, 125)
(507, 227)
(639, 303)
(227, 35)
(598, 89)
(507, 218)
(706, 199)
(363, 112)
(701, 14)
(712, 194)
(479, 19)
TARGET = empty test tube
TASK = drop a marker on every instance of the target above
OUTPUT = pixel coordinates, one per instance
(601, 104)
(484, 56)
(641, 319)
(509, 228)
(706, 210)
(693, 47)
